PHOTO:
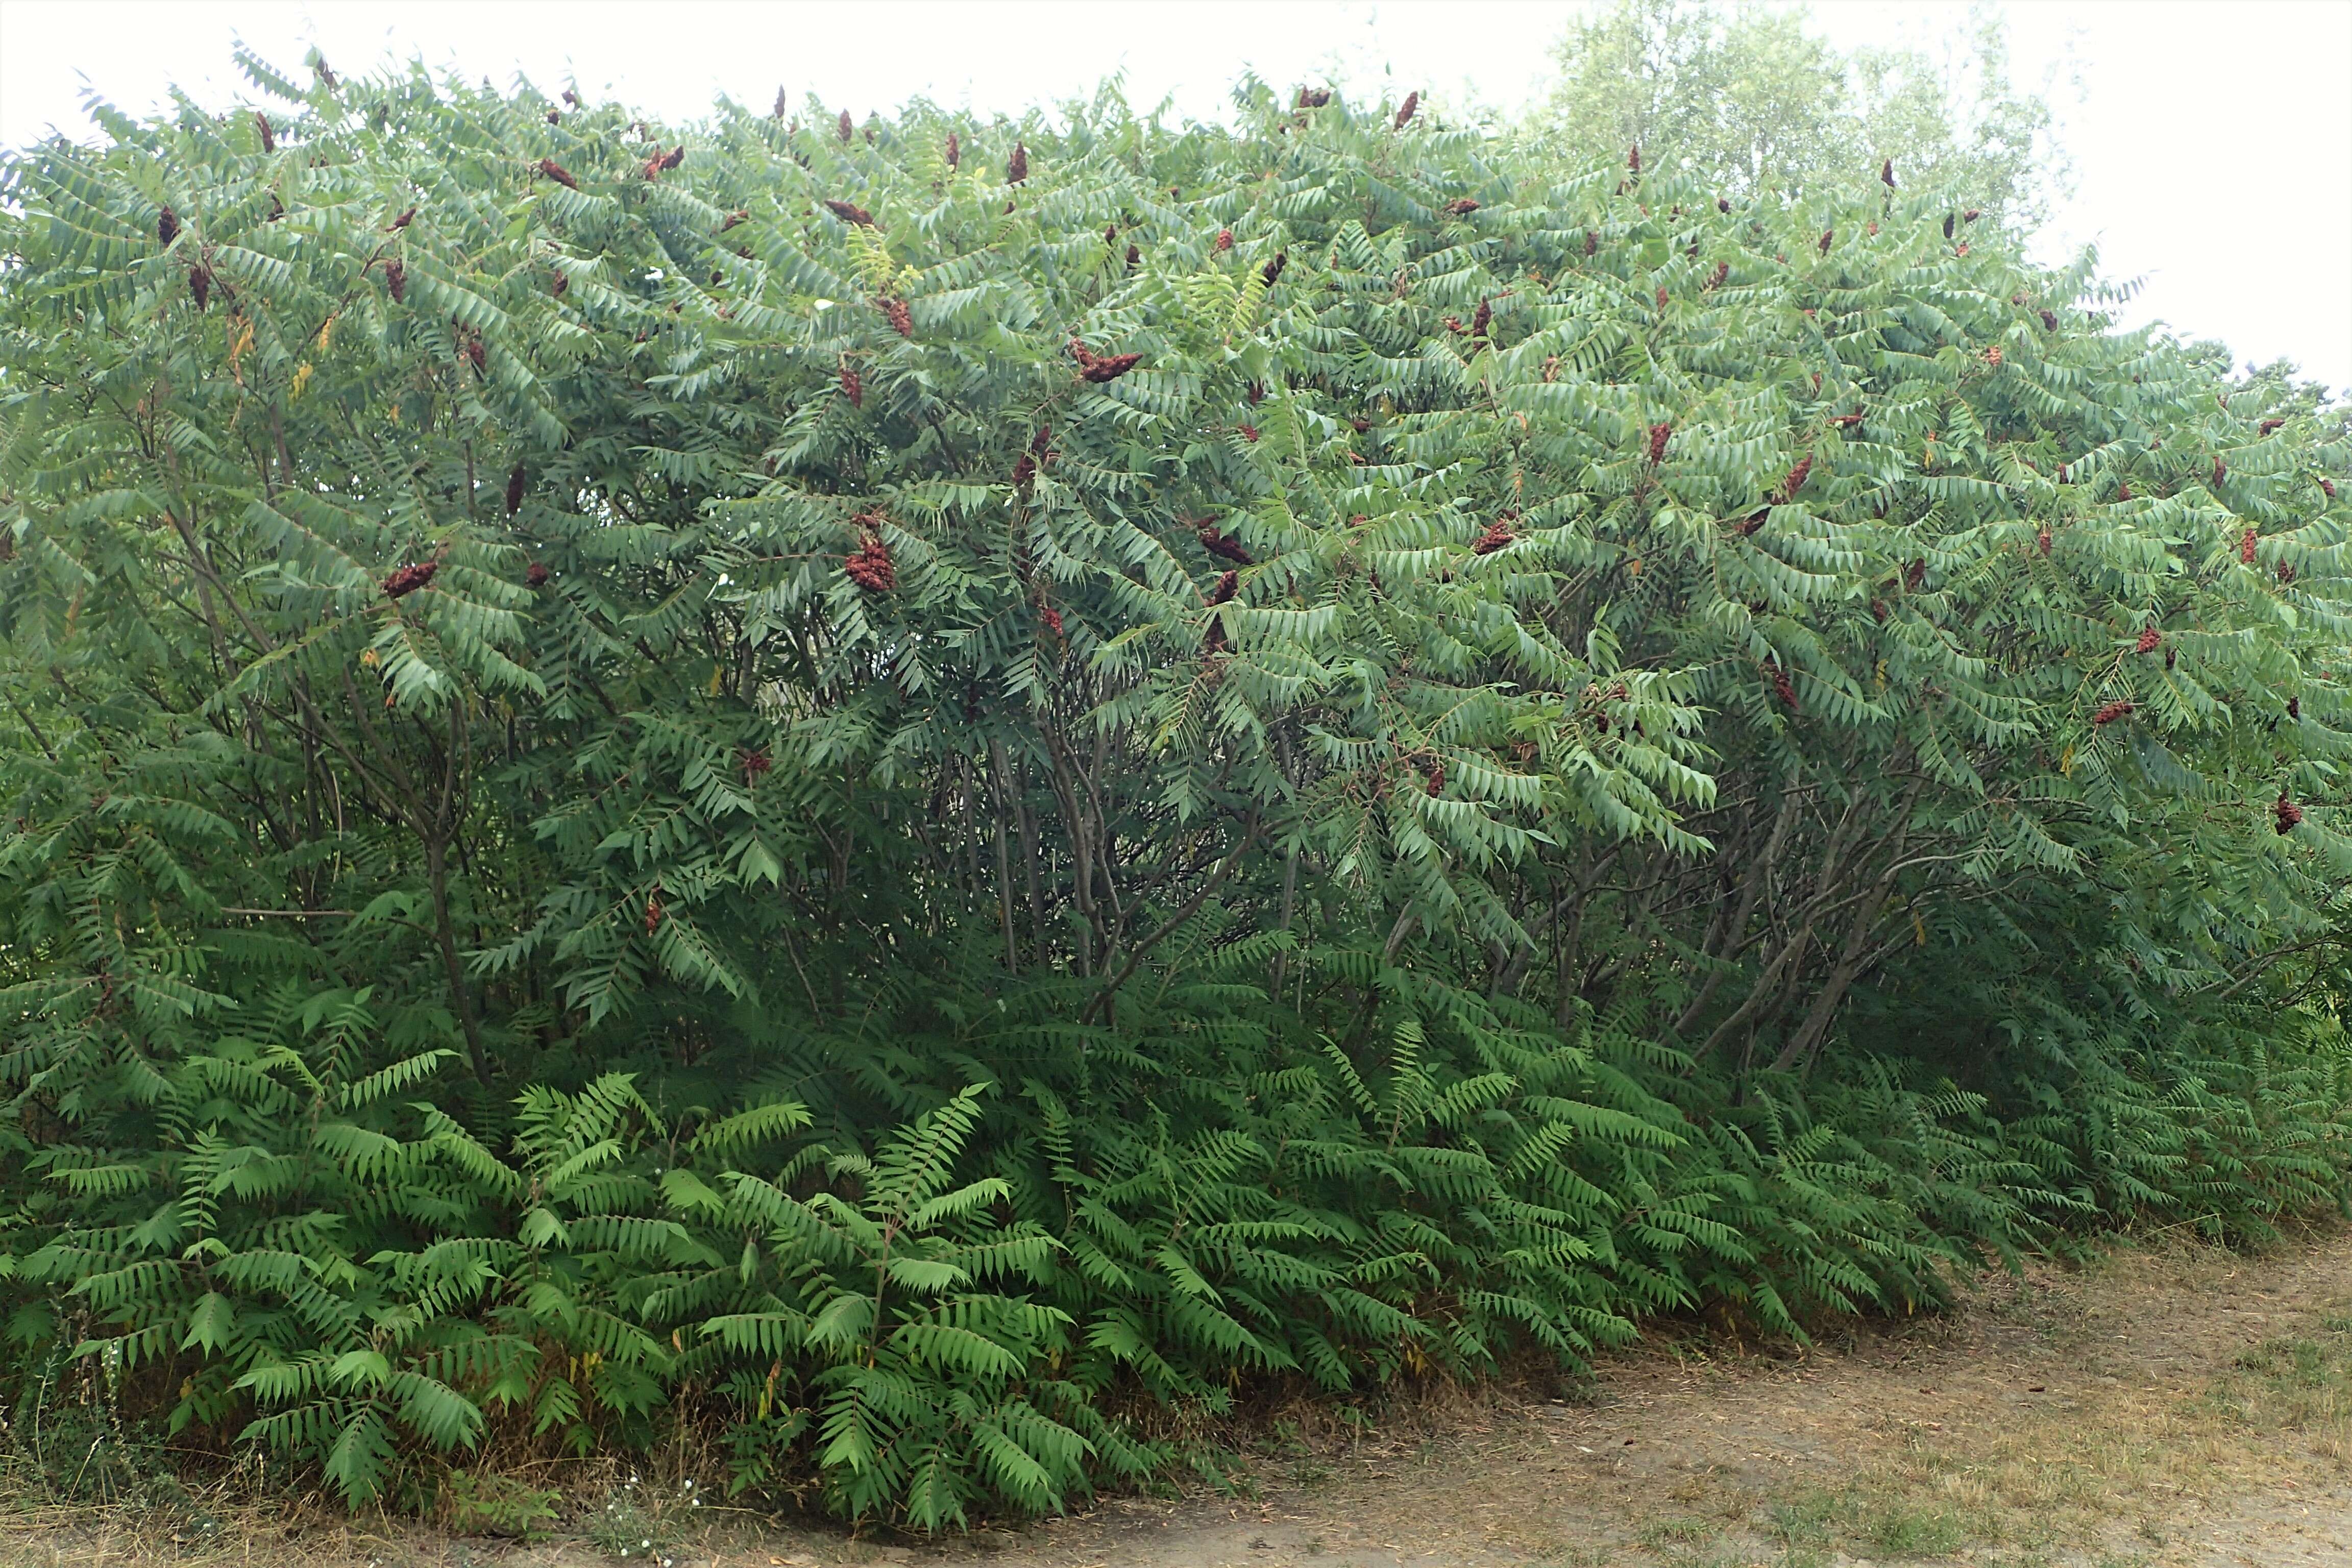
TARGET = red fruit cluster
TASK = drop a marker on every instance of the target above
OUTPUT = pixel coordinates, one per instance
(1405, 110)
(1273, 271)
(1722, 271)
(1482, 319)
(1781, 685)
(901, 320)
(2049, 320)
(1017, 170)
(756, 765)
(1659, 435)
(2246, 548)
(852, 387)
(654, 910)
(1915, 574)
(1795, 479)
(2042, 538)
(1845, 421)
(1225, 548)
(167, 226)
(740, 214)
(1462, 207)
(475, 354)
(843, 128)
(2268, 426)
(2111, 712)
(1633, 158)
(396, 279)
(1436, 785)
(558, 173)
(268, 136)
(1499, 534)
(1747, 526)
(1886, 174)
(1024, 468)
(1661, 296)
(1723, 203)
(1992, 356)
(870, 566)
(1313, 97)
(200, 288)
(409, 578)
(1228, 584)
(1103, 368)
(954, 150)
(405, 219)
(1224, 241)
(2149, 639)
(1053, 619)
(514, 490)
(1828, 235)
(2327, 489)
(1249, 434)
(538, 575)
(2286, 814)
(850, 213)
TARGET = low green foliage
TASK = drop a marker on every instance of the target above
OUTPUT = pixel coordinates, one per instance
(649, 785)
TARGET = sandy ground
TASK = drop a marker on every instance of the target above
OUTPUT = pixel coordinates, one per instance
(2169, 1405)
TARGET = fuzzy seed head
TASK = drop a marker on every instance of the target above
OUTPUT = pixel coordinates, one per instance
(407, 579)
(1224, 241)
(2111, 712)
(1659, 435)
(167, 226)
(2150, 639)
(2286, 815)
(843, 128)
(514, 489)
(1017, 170)
(1223, 547)
(1405, 110)
(538, 575)
(901, 319)
(852, 387)
(1795, 478)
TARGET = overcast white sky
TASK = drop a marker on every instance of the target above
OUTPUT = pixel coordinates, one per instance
(2212, 141)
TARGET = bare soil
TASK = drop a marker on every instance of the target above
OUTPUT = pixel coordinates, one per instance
(2168, 1406)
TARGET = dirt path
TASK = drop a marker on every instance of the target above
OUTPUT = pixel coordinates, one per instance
(2167, 1407)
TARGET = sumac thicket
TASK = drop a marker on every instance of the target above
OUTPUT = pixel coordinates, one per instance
(734, 774)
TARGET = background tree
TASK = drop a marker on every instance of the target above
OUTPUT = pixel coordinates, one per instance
(1757, 102)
